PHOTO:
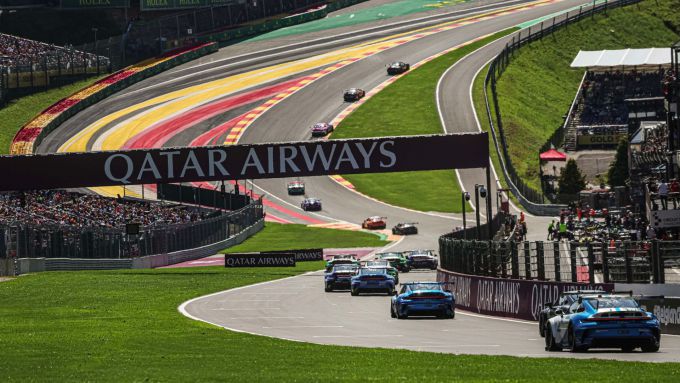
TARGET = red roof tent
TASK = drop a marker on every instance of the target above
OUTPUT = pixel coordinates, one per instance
(553, 155)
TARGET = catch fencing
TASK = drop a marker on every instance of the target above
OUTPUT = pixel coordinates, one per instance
(22, 241)
(563, 261)
(533, 200)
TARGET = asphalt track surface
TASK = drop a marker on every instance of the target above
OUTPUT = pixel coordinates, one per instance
(297, 308)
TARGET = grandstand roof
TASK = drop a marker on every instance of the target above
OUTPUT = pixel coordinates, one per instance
(622, 57)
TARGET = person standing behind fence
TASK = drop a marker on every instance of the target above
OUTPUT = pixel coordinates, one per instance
(563, 230)
(663, 194)
(551, 227)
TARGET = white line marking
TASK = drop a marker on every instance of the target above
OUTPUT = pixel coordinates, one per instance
(302, 327)
(269, 293)
(251, 300)
(458, 311)
(267, 318)
(357, 336)
(248, 309)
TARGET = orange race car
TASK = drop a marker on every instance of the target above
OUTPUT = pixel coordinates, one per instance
(374, 223)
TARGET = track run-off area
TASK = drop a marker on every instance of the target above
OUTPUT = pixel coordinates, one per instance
(264, 93)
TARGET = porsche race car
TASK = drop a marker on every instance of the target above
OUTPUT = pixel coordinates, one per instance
(382, 264)
(353, 94)
(374, 223)
(603, 321)
(342, 259)
(423, 298)
(398, 67)
(405, 229)
(397, 260)
(340, 277)
(563, 302)
(296, 188)
(311, 204)
(369, 280)
(321, 129)
(421, 259)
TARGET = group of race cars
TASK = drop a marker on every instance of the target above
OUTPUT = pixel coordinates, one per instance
(323, 129)
(584, 319)
(381, 275)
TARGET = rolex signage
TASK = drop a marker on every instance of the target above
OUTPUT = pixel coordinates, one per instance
(150, 5)
(90, 4)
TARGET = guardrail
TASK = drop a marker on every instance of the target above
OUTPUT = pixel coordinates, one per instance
(531, 199)
(563, 261)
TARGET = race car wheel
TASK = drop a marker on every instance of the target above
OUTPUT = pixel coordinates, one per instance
(406, 270)
(392, 313)
(550, 344)
(572, 342)
(627, 349)
(329, 287)
(541, 327)
(354, 292)
(401, 316)
(652, 346)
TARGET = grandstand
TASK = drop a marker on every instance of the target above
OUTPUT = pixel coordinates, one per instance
(620, 89)
(28, 65)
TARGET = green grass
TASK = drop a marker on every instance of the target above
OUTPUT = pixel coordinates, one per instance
(276, 236)
(18, 112)
(120, 326)
(386, 114)
(538, 87)
(480, 109)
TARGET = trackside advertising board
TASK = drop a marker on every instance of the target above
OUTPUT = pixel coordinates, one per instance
(238, 162)
(91, 4)
(301, 255)
(156, 5)
(272, 259)
(513, 298)
(667, 310)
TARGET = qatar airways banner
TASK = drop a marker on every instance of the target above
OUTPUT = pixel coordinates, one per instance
(238, 162)
(514, 298)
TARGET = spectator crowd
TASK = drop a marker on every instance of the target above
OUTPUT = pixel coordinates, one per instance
(20, 53)
(61, 208)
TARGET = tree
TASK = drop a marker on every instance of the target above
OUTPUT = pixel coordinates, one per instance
(618, 170)
(571, 180)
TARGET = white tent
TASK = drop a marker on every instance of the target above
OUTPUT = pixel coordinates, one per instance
(622, 57)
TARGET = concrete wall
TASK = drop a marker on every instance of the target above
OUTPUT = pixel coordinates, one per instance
(34, 265)
(6, 267)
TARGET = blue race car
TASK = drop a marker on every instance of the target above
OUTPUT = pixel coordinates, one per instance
(340, 277)
(369, 280)
(423, 298)
(603, 321)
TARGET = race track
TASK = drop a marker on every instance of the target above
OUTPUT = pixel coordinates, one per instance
(225, 99)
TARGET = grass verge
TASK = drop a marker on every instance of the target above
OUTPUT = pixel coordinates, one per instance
(276, 236)
(387, 114)
(537, 88)
(20, 111)
(124, 326)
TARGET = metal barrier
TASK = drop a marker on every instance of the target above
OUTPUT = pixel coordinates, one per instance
(562, 261)
(74, 242)
(531, 199)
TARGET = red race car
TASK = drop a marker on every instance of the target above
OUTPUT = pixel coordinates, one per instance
(374, 223)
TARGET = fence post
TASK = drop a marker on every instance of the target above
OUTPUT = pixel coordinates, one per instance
(527, 260)
(572, 256)
(503, 260)
(591, 263)
(605, 262)
(626, 258)
(540, 261)
(556, 255)
(657, 263)
(514, 260)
